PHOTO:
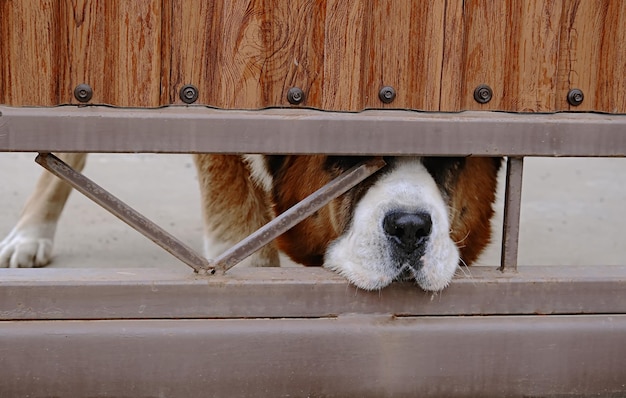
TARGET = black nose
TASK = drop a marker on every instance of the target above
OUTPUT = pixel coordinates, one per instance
(408, 230)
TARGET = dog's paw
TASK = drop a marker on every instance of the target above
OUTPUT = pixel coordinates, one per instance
(26, 248)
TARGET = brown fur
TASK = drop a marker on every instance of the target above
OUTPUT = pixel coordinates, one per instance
(232, 206)
(306, 242)
(471, 209)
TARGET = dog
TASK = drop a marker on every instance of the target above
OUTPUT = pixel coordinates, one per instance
(418, 218)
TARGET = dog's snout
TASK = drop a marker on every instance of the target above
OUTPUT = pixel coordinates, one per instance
(408, 230)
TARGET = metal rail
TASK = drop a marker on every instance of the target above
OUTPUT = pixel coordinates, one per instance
(178, 129)
(347, 356)
(301, 292)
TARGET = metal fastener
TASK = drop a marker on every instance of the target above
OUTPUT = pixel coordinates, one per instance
(483, 94)
(295, 96)
(189, 93)
(83, 92)
(387, 94)
(575, 97)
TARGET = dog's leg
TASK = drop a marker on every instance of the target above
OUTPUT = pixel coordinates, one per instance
(29, 244)
(233, 205)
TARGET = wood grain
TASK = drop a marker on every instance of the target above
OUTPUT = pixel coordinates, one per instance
(115, 47)
(404, 49)
(295, 33)
(593, 58)
(453, 57)
(189, 30)
(512, 46)
(29, 50)
(246, 54)
(344, 55)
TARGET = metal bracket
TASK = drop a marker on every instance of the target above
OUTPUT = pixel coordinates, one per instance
(238, 252)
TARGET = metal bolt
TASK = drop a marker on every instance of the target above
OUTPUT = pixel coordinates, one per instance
(387, 94)
(483, 94)
(295, 96)
(189, 94)
(575, 97)
(83, 92)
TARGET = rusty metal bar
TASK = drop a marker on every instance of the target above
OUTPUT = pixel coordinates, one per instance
(303, 209)
(347, 356)
(301, 131)
(306, 292)
(512, 207)
(122, 211)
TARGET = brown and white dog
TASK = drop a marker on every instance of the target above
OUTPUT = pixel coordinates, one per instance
(417, 218)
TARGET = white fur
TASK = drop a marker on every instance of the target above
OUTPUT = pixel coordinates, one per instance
(27, 246)
(258, 171)
(363, 254)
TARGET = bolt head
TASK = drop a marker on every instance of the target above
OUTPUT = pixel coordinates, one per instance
(83, 92)
(483, 94)
(295, 95)
(188, 94)
(575, 97)
(387, 94)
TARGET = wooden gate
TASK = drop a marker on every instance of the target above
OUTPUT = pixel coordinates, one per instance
(352, 76)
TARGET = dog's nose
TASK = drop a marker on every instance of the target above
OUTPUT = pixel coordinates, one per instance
(408, 230)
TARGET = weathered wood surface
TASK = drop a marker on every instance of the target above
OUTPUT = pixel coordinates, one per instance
(246, 54)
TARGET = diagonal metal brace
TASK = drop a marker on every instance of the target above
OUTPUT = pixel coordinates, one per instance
(238, 252)
(292, 216)
(124, 212)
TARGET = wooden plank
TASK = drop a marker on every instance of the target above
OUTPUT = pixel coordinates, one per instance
(270, 46)
(592, 57)
(403, 48)
(241, 55)
(349, 356)
(453, 58)
(512, 46)
(49, 47)
(344, 55)
(294, 34)
(191, 35)
(115, 47)
(30, 51)
(178, 293)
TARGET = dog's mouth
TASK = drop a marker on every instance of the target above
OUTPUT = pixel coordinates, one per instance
(409, 271)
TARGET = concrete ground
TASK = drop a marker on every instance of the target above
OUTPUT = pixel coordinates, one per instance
(573, 210)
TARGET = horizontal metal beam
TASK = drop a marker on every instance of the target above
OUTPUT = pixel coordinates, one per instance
(351, 356)
(177, 129)
(38, 294)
